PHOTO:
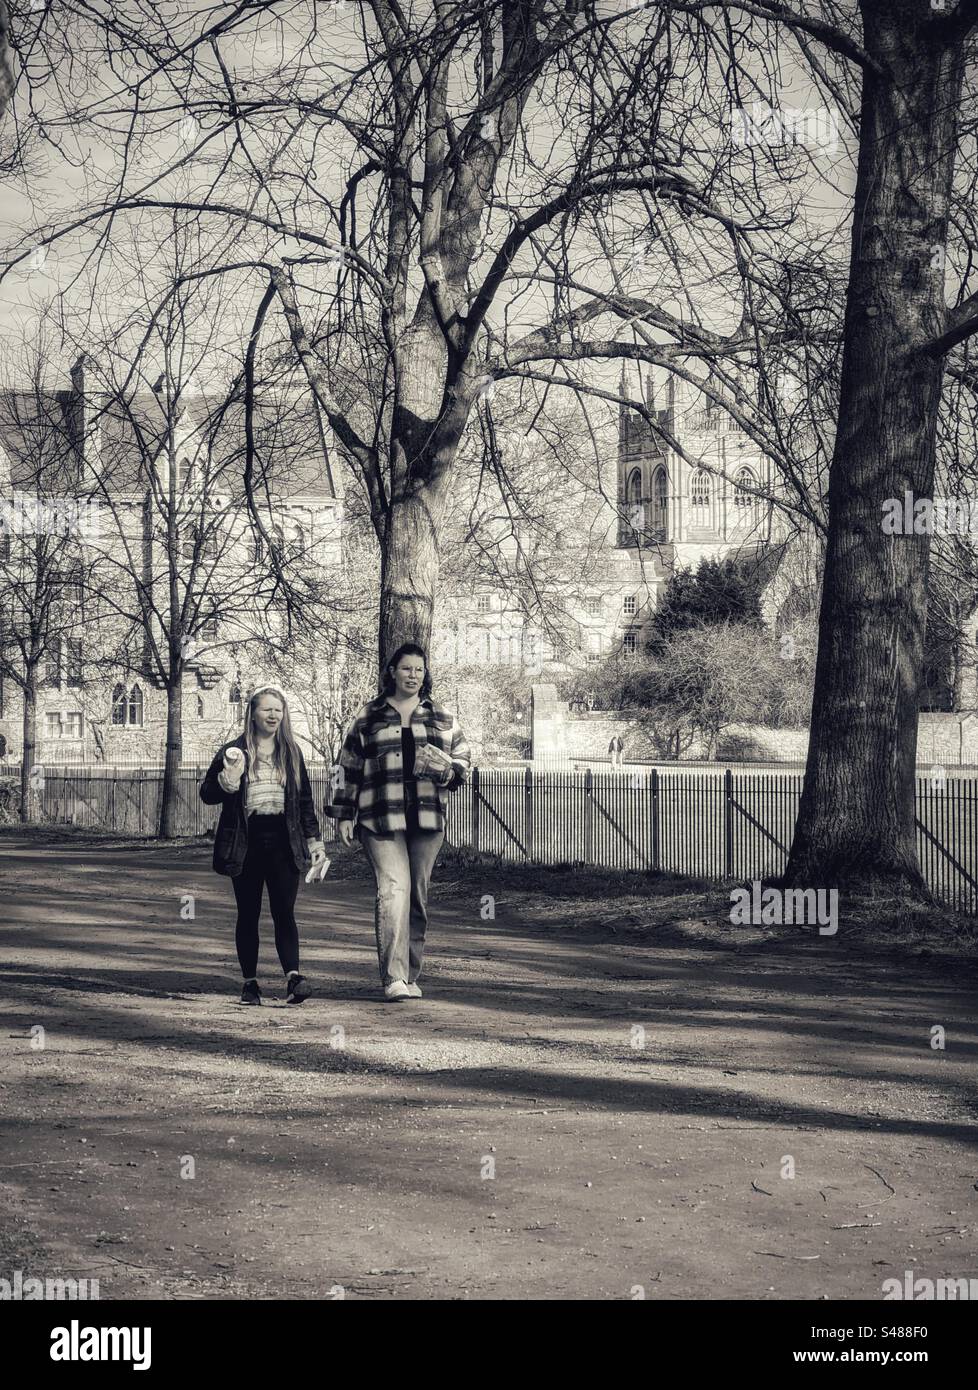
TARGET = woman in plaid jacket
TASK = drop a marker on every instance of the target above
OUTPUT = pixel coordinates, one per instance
(403, 753)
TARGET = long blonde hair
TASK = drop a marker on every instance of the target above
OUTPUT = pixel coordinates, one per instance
(286, 753)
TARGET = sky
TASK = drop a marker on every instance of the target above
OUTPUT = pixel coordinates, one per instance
(53, 189)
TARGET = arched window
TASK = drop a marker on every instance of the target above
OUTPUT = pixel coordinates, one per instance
(701, 492)
(236, 703)
(127, 707)
(299, 539)
(200, 706)
(635, 501)
(660, 502)
(744, 496)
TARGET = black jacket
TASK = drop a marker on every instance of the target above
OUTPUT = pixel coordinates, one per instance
(231, 837)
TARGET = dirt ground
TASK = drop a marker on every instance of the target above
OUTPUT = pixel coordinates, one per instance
(586, 1104)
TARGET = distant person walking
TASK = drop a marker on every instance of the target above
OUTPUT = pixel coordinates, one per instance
(403, 753)
(617, 750)
(267, 834)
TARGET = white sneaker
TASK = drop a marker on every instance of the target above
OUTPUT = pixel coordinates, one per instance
(397, 990)
(414, 991)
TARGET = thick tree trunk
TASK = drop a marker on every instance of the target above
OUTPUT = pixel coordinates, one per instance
(408, 573)
(169, 827)
(7, 81)
(856, 822)
(424, 441)
(30, 791)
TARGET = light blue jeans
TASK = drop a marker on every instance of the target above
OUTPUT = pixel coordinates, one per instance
(402, 865)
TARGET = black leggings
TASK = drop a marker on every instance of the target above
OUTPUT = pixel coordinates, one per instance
(268, 862)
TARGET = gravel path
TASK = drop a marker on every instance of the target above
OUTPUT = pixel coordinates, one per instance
(572, 1111)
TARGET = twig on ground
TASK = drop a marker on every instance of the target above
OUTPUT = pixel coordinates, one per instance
(878, 1174)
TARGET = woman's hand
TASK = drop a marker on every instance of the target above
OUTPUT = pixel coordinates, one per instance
(430, 761)
(232, 767)
(320, 863)
(346, 832)
(233, 764)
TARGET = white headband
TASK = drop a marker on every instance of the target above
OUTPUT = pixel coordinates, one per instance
(268, 690)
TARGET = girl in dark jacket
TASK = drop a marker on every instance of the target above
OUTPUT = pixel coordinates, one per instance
(267, 834)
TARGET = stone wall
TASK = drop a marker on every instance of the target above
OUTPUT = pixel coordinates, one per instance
(549, 723)
(948, 740)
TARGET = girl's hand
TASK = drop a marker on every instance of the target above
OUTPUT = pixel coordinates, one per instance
(430, 761)
(233, 763)
(320, 865)
(346, 832)
(232, 767)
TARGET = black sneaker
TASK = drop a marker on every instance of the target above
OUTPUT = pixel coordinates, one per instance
(297, 988)
(250, 993)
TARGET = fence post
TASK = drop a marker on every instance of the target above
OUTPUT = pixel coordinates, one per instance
(139, 801)
(528, 811)
(728, 810)
(475, 809)
(654, 796)
(588, 816)
(113, 797)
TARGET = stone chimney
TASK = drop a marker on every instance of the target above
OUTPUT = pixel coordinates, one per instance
(671, 403)
(87, 402)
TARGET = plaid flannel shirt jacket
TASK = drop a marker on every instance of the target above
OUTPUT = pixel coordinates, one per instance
(367, 784)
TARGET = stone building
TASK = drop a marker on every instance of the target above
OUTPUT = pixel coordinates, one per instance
(656, 509)
(155, 480)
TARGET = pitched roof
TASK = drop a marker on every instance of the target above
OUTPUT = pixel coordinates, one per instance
(38, 440)
(127, 436)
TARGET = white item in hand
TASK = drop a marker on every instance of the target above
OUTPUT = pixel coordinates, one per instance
(319, 870)
(432, 762)
(233, 764)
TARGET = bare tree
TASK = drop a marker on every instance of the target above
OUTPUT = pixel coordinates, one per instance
(47, 525)
(327, 662)
(464, 145)
(191, 564)
(453, 206)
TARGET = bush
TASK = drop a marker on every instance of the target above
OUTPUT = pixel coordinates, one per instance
(719, 593)
(740, 748)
